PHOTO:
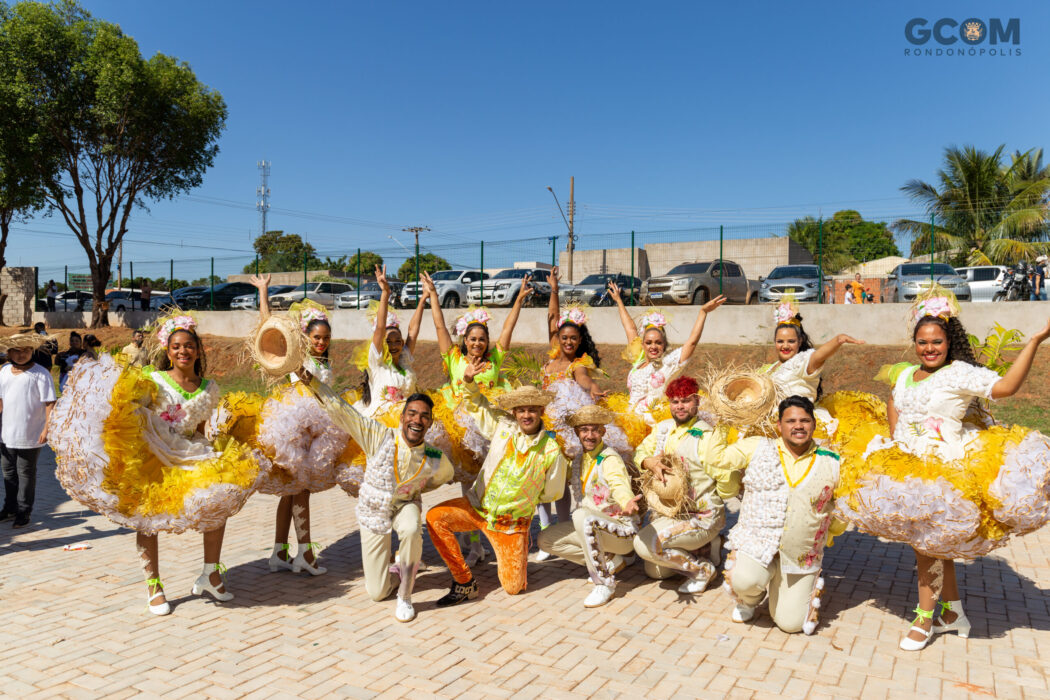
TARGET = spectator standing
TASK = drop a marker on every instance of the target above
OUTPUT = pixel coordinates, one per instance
(135, 352)
(52, 294)
(66, 360)
(1039, 279)
(850, 298)
(144, 294)
(27, 396)
(859, 290)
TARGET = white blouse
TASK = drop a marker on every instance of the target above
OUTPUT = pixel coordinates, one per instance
(182, 410)
(388, 384)
(791, 377)
(646, 382)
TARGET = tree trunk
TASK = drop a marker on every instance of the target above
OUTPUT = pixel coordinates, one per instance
(99, 307)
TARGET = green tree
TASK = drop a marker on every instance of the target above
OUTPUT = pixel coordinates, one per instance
(205, 281)
(428, 262)
(110, 129)
(829, 247)
(369, 260)
(985, 211)
(282, 252)
(867, 240)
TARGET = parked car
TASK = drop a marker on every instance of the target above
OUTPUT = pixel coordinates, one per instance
(323, 293)
(697, 283)
(161, 300)
(250, 302)
(181, 292)
(908, 279)
(122, 300)
(985, 280)
(224, 294)
(591, 289)
(800, 281)
(452, 287)
(370, 291)
(68, 300)
(503, 288)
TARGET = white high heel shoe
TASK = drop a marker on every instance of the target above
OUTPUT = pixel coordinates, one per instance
(299, 564)
(203, 583)
(161, 609)
(909, 644)
(276, 562)
(961, 624)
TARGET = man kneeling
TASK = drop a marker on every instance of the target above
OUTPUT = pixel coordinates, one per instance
(524, 466)
(785, 522)
(606, 519)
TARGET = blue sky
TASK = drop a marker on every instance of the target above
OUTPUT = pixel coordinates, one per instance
(670, 115)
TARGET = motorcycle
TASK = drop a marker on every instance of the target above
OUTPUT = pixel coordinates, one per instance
(1016, 286)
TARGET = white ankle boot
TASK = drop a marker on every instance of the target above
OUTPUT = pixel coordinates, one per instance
(961, 624)
(203, 583)
(275, 562)
(300, 564)
(600, 595)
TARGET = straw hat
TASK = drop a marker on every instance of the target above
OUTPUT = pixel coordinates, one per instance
(592, 414)
(666, 497)
(30, 340)
(278, 346)
(524, 396)
(741, 397)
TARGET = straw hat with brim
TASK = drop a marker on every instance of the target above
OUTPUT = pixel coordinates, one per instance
(742, 397)
(278, 346)
(666, 497)
(524, 396)
(29, 341)
(591, 415)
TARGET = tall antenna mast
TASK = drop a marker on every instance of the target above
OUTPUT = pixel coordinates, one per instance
(263, 192)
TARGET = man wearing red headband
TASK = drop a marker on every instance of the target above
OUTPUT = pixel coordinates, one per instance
(669, 543)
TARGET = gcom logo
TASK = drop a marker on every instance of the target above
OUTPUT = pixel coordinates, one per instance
(970, 32)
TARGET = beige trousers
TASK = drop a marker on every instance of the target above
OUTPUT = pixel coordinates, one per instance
(668, 545)
(789, 594)
(566, 540)
(376, 549)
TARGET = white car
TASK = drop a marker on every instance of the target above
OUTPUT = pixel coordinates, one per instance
(503, 288)
(985, 280)
(249, 302)
(324, 293)
(451, 285)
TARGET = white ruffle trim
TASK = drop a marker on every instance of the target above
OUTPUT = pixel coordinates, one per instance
(302, 443)
(1023, 485)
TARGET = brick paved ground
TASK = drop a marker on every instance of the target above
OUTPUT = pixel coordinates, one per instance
(73, 624)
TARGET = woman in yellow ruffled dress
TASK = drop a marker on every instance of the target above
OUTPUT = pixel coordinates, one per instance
(129, 444)
(652, 366)
(950, 482)
(301, 444)
(463, 442)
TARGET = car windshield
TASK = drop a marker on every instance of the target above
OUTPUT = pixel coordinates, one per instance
(920, 269)
(370, 287)
(689, 269)
(597, 279)
(510, 274)
(304, 287)
(808, 272)
(446, 275)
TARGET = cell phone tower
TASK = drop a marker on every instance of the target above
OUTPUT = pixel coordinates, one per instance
(263, 193)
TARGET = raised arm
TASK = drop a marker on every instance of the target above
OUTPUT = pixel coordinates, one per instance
(379, 334)
(444, 339)
(553, 309)
(515, 311)
(825, 351)
(262, 283)
(625, 318)
(698, 326)
(415, 323)
(1015, 376)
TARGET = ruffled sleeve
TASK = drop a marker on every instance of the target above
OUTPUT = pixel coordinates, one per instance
(965, 379)
(633, 352)
(586, 362)
(891, 373)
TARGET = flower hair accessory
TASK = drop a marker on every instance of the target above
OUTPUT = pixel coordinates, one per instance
(787, 311)
(652, 319)
(572, 314)
(181, 322)
(479, 315)
(373, 313)
(307, 311)
(935, 301)
(310, 315)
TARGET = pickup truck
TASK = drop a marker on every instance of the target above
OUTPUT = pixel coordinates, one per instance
(452, 287)
(698, 282)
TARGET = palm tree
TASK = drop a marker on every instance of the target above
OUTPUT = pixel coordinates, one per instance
(985, 212)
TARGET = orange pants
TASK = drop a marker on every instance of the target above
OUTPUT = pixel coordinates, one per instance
(512, 550)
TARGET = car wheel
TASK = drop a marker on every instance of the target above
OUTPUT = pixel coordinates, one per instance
(451, 301)
(700, 297)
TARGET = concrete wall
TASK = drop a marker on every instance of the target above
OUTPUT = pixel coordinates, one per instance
(590, 262)
(883, 324)
(18, 284)
(756, 255)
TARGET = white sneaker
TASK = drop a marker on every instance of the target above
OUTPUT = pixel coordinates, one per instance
(743, 613)
(698, 583)
(404, 612)
(598, 597)
(543, 556)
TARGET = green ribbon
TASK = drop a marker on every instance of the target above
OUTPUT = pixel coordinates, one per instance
(922, 614)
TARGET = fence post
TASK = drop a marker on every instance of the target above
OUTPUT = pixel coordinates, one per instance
(358, 279)
(65, 297)
(482, 273)
(304, 274)
(554, 251)
(211, 280)
(931, 249)
(721, 267)
(820, 261)
(131, 275)
(171, 276)
(631, 300)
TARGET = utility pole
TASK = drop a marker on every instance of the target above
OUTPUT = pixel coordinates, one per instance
(263, 192)
(572, 218)
(415, 230)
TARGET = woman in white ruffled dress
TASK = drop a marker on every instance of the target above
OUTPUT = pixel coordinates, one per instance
(950, 482)
(129, 443)
(301, 444)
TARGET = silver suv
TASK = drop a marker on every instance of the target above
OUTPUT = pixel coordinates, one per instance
(800, 281)
(908, 279)
(697, 282)
(503, 288)
(323, 293)
(451, 285)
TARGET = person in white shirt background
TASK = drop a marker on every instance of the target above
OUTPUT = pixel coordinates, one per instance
(27, 396)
